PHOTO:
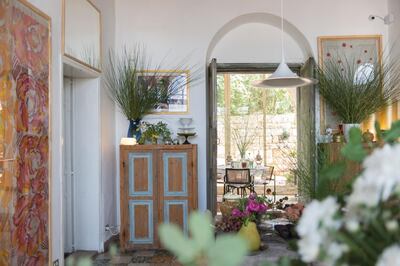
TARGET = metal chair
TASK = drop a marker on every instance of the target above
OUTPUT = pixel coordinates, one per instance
(239, 179)
(269, 176)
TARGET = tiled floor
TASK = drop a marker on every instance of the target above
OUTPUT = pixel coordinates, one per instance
(274, 247)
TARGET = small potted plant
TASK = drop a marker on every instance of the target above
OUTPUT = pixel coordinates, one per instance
(250, 209)
(154, 132)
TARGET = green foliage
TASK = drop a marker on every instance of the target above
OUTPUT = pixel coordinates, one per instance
(136, 86)
(202, 248)
(356, 91)
(154, 131)
(245, 98)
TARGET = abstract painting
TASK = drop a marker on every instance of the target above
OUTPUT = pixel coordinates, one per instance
(24, 134)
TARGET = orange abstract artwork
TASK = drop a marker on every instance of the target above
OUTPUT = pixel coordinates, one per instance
(24, 134)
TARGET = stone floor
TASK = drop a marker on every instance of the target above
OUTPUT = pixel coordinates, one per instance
(273, 248)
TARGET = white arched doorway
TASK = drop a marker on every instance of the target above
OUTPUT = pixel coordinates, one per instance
(243, 44)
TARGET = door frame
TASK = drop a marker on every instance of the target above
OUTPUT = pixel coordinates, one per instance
(246, 68)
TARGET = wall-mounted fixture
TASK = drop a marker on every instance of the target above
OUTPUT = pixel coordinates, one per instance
(388, 19)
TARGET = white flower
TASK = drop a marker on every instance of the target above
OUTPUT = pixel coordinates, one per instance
(390, 256)
(352, 225)
(392, 225)
(314, 227)
(379, 180)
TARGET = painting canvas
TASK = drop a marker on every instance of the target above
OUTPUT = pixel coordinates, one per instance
(362, 50)
(24, 134)
(179, 102)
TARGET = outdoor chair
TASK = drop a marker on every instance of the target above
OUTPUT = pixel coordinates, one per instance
(239, 180)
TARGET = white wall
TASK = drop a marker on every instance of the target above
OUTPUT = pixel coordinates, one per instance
(394, 29)
(260, 42)
(53, 9)
(107, 121)
(181, 27)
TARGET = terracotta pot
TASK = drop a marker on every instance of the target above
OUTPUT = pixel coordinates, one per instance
(250, 233)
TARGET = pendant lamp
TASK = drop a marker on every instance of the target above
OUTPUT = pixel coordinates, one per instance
(283, 77)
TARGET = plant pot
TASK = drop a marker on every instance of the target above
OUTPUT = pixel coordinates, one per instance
(250, 233)
(346, 130)
(134, 130)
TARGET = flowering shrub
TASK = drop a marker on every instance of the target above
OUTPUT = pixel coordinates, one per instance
(250, 208)
(294, 212)
(364, 229)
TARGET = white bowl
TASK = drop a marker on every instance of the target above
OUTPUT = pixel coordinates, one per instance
(185, 121)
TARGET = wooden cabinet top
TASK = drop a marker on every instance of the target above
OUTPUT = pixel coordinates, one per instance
(158, 147)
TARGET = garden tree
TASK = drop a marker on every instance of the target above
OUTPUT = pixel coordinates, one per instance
(245, 98)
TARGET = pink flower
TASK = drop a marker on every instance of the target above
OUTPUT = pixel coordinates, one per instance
(263, 208)
(252, 196)
(237, 213)
(253, 206)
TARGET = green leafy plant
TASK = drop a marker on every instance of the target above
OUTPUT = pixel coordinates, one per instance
(151, 132)
(202, 248)
(354, 90)
(137, 86)
(364, 228)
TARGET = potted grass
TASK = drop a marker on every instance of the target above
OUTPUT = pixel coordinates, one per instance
(356, 90)
(138, 87)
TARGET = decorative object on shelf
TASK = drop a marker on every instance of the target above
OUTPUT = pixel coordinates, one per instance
(356, 88)
(368, 136)
(128, 141)
(186, 131)
(359, 56)
(185, 121)
(228, 160)
(137, 90)
(186, 136)
(258, 159)
(347, 128)
(283, 77)
(154, 132)
(338, 137)
(134, 130)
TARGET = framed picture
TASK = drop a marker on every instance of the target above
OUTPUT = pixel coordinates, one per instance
(362, 49)
(178, 103)
(25, 53)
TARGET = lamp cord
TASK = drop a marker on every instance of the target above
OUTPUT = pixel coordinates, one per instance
(282, 36)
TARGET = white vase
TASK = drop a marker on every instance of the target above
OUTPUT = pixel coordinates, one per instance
(346, 130)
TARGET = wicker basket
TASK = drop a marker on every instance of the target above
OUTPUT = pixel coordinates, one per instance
(226, 207)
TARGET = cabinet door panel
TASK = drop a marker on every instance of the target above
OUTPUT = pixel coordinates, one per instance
(140, 174)
(141, 221)
(176, 212)
(175, 174)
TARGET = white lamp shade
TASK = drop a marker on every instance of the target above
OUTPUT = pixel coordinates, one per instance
(283, 77)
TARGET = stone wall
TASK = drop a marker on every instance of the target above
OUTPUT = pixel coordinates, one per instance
(279, 148)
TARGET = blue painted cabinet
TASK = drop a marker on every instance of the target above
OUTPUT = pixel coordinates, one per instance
(158, 184)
